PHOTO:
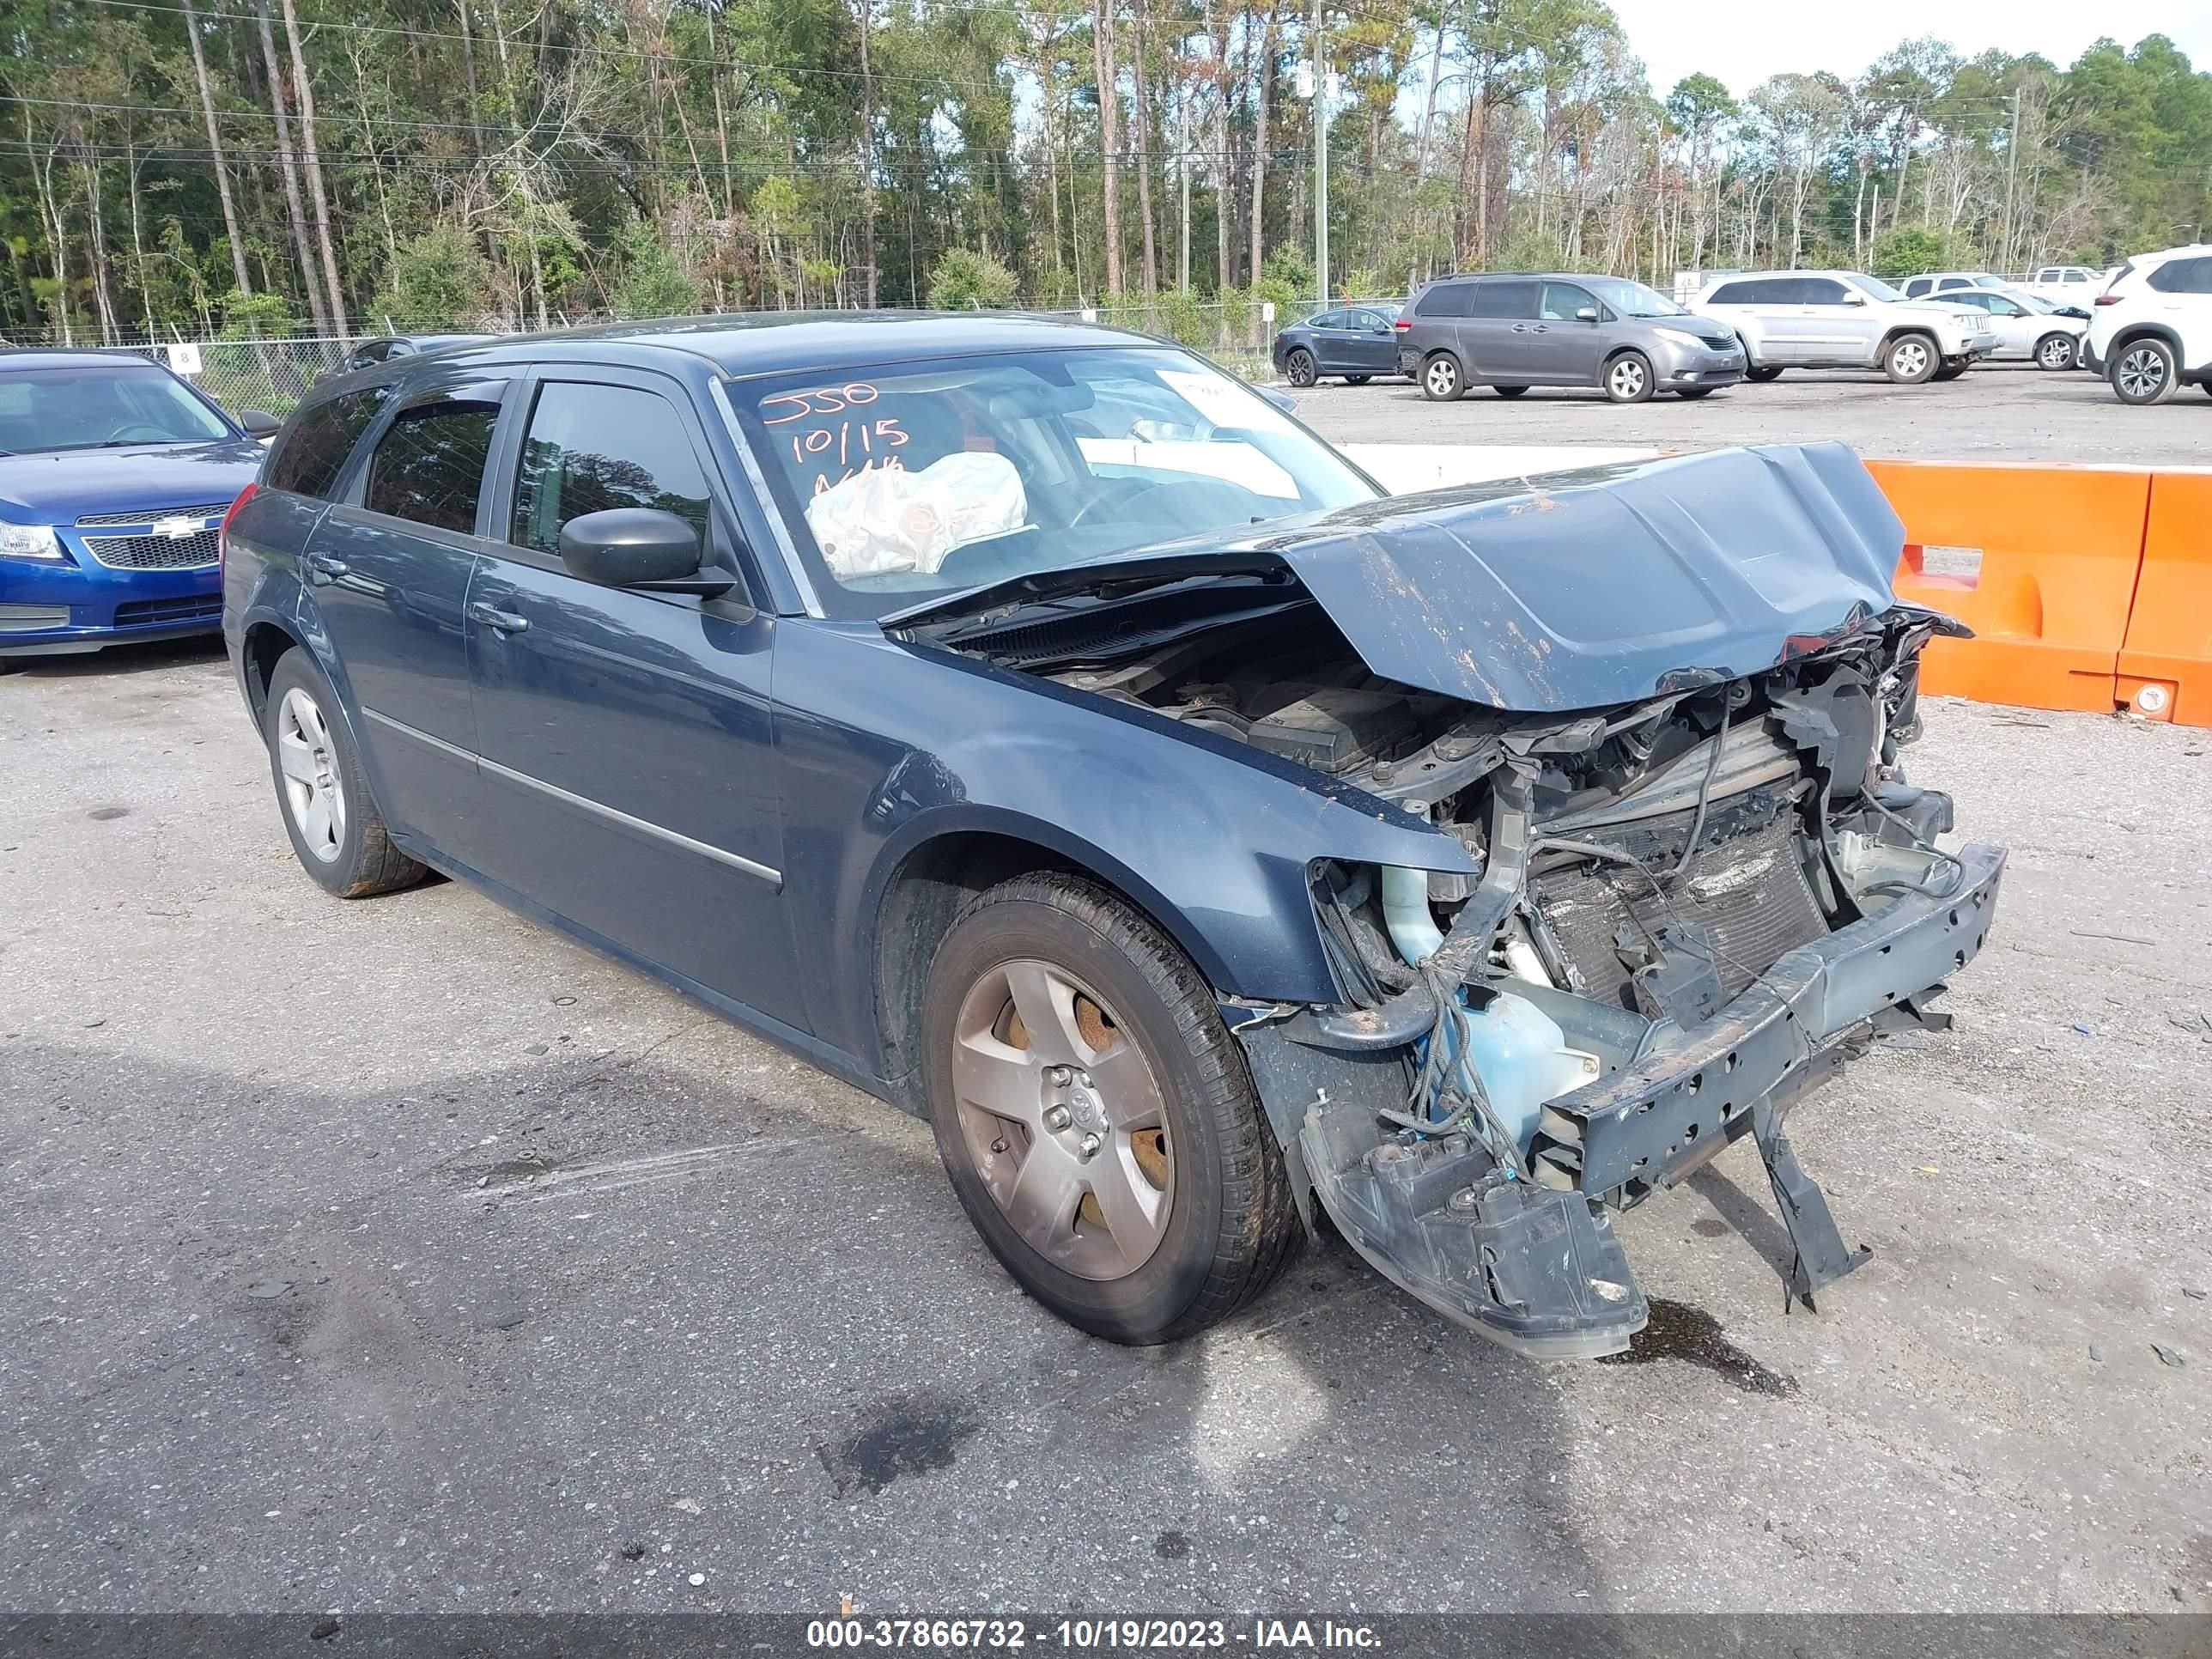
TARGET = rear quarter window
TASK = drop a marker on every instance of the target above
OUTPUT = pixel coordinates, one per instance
(1736, 294)
(311, 455)
(1447, 299)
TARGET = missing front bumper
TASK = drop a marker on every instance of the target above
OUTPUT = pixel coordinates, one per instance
(1538, 1267)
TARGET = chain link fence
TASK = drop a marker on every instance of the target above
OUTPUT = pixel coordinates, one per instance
(273, 374)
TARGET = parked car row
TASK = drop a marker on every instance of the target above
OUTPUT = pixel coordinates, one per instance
(2148, 331)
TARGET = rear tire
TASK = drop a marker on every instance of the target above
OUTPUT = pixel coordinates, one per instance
(2054, 351)
(1694, 393)
(1300, 368)
(1760, 373)
(1441, 379)
(1508, 390)
(1911, 360)
(1055, 1015)
(1949, 372)
(1358, 379)
(322, 792)
(1628, 379)
(2143, 372)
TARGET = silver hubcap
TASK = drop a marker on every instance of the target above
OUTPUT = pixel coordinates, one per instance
(1627, 378)
(1911, 358)
(2143, 371)
(1441, 375)
(1064, 1119)
(313, 793)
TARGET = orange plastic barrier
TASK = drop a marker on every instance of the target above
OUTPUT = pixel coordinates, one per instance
(2058, 547)
(2166, 660)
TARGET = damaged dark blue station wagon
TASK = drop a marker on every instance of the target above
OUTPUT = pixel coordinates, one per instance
(1043, 731)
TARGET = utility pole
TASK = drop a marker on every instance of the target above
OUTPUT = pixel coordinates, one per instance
(2012, 170)
(1183, 174)
(1321, 158)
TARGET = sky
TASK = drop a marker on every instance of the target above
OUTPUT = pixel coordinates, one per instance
(1741, 43)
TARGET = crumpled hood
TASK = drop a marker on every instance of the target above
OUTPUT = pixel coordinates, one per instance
(61, 486)
(1578, 590)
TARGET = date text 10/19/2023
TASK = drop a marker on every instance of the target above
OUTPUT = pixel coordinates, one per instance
(1086, 1635)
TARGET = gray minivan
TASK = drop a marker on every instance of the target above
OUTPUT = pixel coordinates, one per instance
(1510, 331)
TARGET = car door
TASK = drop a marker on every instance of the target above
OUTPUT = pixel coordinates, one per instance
(1371, 343)
(1495, 336)
(628, 737)
(1325, 332)
(1752, 306)
(387, 574)
(1563, 347)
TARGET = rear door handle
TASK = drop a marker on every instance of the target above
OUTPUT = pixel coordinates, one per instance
(324, 565)
(505, 621)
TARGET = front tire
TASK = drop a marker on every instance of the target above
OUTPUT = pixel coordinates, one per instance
(1910, 360)
(1760, 373)
(1095, 1118)
(1949, 372)
(1628, 379)
(1358, 379)
(1694, 392)
(1441, 381)
(1301, 369)
(1508, 390)
(337, 831)
(2144, 371)
(2054, 351)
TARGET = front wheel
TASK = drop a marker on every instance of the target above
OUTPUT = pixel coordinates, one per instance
(1760, 373)
(1628, 379)
(333, 821)
(1508, 390)
(1694, 393)
(2143, 372)
(2054, 351)
(1441, 381)
(1301, 368)
(1096, 1117)
(1949, 372)
(1358, 379)
(1910, 359)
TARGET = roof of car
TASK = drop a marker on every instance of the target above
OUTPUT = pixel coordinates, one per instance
(770, 343)
(69, 357)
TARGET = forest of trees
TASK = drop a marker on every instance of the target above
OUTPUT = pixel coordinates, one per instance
(244, 166)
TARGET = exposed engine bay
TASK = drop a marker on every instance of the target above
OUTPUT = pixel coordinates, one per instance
(1677, 913)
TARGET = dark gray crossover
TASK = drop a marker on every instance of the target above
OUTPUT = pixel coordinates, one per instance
(1511, 331)
(1039, 729)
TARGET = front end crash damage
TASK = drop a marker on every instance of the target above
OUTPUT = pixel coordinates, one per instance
(1700, 882)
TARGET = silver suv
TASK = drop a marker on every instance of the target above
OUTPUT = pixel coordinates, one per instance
(1511, 332)
(1845, 319)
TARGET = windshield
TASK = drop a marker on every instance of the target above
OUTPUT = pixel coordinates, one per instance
(100, 405)
(1879, 289)
(909, 480)
(1631, 299)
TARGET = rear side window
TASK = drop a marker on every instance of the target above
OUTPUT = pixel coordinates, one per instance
(591, 447)
(310, 456)
(1504, 300)
(1747, 293)
(1447, 299)
(2182, 276)
(429, 467)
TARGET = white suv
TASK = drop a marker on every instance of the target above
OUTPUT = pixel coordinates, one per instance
(1844, 319)
(2151, 331)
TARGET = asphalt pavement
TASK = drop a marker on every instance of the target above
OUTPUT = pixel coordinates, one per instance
(1996, 412)
(402, 1254)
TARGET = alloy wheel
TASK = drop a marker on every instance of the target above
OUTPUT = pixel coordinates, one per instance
(1064, 1119)
(2058, 352)
(1910, 359)
(1626, 379)
(1303, 372)
(2141, 372)
(314, 794)
(1441, 378)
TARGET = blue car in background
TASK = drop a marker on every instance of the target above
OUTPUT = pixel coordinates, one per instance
(114, 477)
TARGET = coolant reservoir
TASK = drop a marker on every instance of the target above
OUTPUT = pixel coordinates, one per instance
(1522, 1056)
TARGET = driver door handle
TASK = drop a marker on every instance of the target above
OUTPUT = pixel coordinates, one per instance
(505, 622)
(324, 565)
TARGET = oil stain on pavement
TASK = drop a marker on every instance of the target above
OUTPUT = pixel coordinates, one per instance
(908, 1434)
(1678, 1331)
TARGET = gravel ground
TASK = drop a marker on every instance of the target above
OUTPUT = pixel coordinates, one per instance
(1998, 412)
(402, 1254)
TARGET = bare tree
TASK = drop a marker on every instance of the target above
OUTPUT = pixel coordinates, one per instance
(230, 230)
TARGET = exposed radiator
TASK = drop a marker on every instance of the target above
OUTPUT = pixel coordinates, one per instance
(1749, 893)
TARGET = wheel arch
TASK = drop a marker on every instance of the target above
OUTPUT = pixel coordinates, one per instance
(260, 649)
(2134, 332)
(929, 876)
(1902, 331)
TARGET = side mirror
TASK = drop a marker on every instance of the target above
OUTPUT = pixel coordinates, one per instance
(259, 422)
(1282, 400)
(637, 547)
(1586, 314)
(1854, 299)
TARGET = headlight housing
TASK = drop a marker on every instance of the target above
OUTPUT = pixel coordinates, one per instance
(31, 541)
(1681, 337)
